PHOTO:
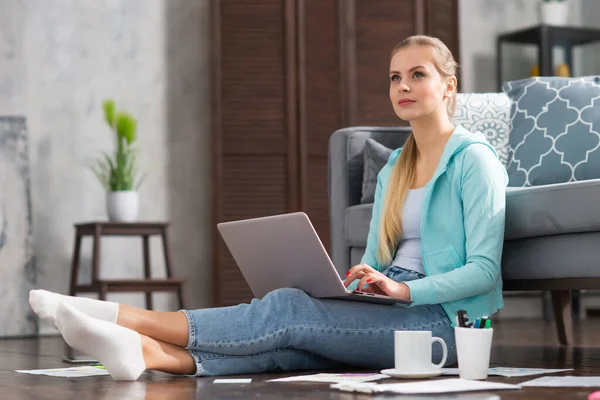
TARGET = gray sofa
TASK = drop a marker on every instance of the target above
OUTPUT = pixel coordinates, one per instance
(552, 236)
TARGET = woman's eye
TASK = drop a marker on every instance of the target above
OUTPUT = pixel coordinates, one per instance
(395, 78)
(418, 74)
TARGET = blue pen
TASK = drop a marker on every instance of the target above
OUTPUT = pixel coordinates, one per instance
(476, 323)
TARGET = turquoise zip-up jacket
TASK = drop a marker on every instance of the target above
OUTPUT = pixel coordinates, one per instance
(462, 228)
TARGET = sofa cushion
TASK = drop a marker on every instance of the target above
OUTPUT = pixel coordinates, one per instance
(488, 113)
(552, 257)
(530, 212)
(376, 156)
(555, 130)
(354, 152)
(552, 209)
(544, 257)
(358, 219)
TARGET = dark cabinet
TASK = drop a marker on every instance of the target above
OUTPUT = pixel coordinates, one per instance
(546, 38)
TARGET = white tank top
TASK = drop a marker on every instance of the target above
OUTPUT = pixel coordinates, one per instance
(409, 254)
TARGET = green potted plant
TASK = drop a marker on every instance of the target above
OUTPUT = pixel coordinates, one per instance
(554, 12)
(118, 171)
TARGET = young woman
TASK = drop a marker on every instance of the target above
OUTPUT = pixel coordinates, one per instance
(436, 238)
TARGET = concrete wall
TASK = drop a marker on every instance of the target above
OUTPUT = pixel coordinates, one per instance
(59, 59)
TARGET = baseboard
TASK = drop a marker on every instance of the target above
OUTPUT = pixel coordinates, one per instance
(47, 329)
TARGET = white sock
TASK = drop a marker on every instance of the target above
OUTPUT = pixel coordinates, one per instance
(44, 303)
(119, 349)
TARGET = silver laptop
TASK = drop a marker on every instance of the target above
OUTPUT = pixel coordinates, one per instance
(285, 251)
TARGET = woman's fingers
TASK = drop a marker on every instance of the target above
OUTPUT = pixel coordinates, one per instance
(359, 267)
(352, 277)
(363, 267)
(367, 279)
(378, 283)
(349, 275)
(359, 271)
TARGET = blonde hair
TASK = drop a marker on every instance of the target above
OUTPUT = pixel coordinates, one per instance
(403, 173)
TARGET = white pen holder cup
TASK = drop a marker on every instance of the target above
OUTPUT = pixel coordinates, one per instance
(473, 349)
(413, 351)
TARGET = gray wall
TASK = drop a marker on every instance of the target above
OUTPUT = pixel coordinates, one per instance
(16, 255)
(588, 56)
(59, 59)
(482, 20)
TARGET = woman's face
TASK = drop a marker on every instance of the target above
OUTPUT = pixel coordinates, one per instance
(417, 89)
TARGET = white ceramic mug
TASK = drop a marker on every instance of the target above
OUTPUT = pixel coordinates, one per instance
(412, 351)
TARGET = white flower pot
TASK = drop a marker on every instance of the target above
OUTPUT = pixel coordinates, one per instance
(554, 13)
(123, 206)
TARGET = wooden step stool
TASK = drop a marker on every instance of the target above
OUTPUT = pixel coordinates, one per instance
(103, 286)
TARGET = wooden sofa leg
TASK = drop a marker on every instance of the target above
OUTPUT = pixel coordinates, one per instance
(561, 302)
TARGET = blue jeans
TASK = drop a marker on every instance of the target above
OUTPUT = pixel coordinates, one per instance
(289, 330)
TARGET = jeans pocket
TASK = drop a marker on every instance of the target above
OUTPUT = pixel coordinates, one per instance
(400, 274)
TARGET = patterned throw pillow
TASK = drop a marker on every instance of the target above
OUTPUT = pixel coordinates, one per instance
(488, 113)
(555, 130)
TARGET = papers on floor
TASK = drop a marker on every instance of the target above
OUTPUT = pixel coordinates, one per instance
(332, 378)
(511, 372)
(424, 387)
(73, 372)
(242, 380)
(564, 381)
(370, 377)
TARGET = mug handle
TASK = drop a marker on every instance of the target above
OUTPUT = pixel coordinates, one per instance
(444, 351)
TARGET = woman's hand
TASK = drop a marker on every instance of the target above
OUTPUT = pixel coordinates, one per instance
(378, 282)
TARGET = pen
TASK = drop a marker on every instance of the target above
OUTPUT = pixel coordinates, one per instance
(484, 320)
(488, 324)
(460, 316)
(476, 323)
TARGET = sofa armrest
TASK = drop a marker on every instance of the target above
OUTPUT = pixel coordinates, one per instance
(339, 198)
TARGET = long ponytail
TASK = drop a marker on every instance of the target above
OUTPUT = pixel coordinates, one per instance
(403, 173)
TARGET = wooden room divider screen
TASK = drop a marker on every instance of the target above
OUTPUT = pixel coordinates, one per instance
(286, 74)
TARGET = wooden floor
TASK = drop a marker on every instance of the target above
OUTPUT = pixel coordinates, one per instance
(518, 344)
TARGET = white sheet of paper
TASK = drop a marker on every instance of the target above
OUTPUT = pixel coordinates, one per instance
(425, 387)
(72, 372)
(332, 378)
(511, 372)
(242, 380)
(564, 381)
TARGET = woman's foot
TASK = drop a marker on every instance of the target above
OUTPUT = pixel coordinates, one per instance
(45, 304)
(119, 349)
